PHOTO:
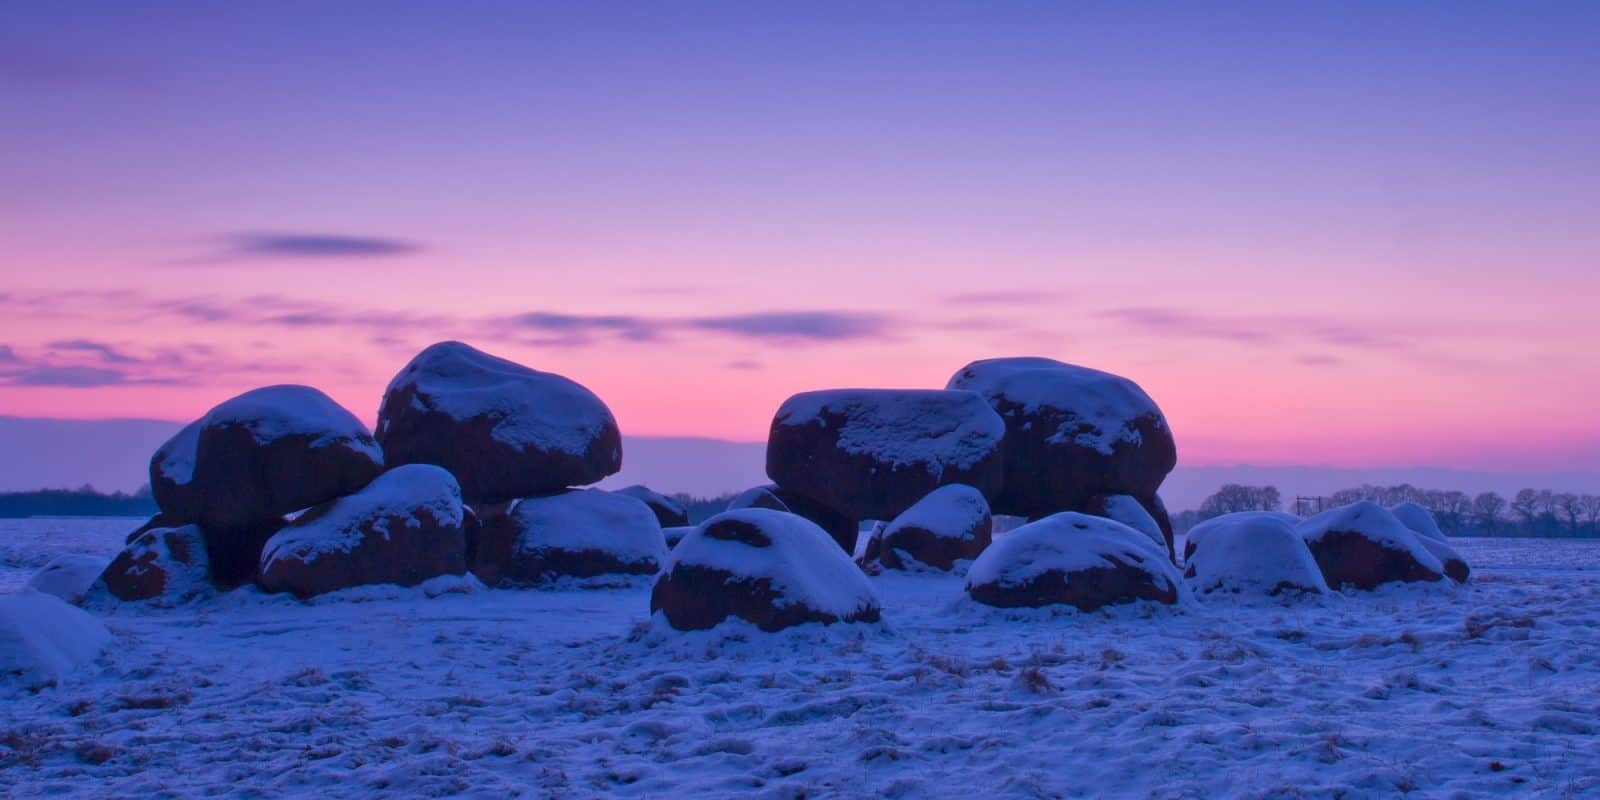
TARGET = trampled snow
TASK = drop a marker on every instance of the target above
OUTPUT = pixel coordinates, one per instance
(1481, 689)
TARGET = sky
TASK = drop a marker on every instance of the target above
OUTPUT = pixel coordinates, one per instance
(1358, 234)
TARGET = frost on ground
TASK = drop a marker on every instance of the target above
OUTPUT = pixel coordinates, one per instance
(1436, 689)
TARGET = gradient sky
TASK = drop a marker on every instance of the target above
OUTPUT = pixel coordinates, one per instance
(1353, 234)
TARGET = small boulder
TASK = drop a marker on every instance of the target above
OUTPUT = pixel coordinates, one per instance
(758, 497)
(675, 534)
(1363, 545)
(770, 568)
(42, 639)
(952, 523)
(1070, 433)
(1073, 559)
(1199, 532)
(1455, 567)
(172, 477)
(1127, 510)
(1419, 519)
(872, 453)
(403, 528)
(669, 512)
(1253, 552)
(580, 534)
(504, 430)
(68, 576)
(164, 565)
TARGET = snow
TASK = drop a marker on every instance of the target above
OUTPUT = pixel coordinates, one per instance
(952, 508)
(68, 576)
(590, 519)
(1374, 522)
(803, 563)
(1481, 689)
(42, 639)
(1418, 519)
(177, 456)
(530, 409)
(903, 427)
(1067, 542)
(1126, 510)
(273, 412)
(1099, 407)
(1203, 528)
(1253, 553)
(402, 493)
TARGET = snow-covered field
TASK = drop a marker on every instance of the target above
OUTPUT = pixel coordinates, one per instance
(1488, 689)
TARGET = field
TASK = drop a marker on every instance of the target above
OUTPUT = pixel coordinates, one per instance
(1488, 689)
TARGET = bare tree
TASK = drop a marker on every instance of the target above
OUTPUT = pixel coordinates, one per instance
(1571, 508)
(1234, 497)
(1526, 506)
(1591, 511)
(1486, 508)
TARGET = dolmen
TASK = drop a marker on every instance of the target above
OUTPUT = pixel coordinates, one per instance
(843, 456)
(284, 488)
(1073, 559)
(1072, 435)
(772, 569)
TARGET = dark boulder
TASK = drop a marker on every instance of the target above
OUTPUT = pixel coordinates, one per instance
(770, 568)
(872, 453)
(504, 430)
(1073, 559)
(669, 512)
(403, 528)
(164, 565)
(952, 523)
(577, 534)
(1362, 545)
(1071, 433)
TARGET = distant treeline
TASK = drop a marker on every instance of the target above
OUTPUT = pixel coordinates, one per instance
(1530, 512)
(83, 502)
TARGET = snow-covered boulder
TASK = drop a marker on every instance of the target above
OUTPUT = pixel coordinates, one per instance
(579, 534)
(1455, 567)
(872, 453)
(504, 430)
(1363, 545)
(43, 639)
(68, 576)
(164, 565)
(771, 568)
(675, 534)
(1071, 433)
(757, 497)
(1127, 510)
(403, 528)
(172, 476)
(1419, 519)
(950, 524)
(841, 528)
(1254, 553)
(669, 512)
(256, 457)
(1199, 532)
(1073, 559)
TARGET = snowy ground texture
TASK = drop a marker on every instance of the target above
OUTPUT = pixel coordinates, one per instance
(1492, 689)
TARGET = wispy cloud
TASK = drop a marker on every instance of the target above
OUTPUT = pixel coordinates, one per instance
(106, 352)
(1255, 330)
(1173, 322)
(68, 377)
(8, 355)
(254, 246)
(1004, 298)
(824, 326)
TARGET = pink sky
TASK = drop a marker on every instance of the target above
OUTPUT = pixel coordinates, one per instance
(1379, 254)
